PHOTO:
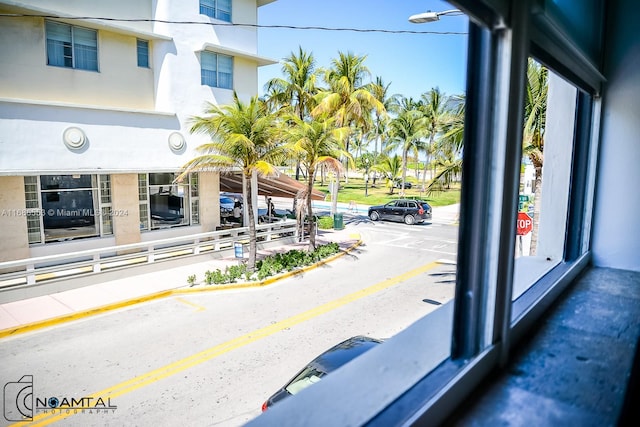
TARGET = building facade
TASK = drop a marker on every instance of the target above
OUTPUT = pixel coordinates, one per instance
(95, 104)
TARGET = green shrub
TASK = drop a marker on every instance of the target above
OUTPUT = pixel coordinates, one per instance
(270, 265)
(191, 280)
(215, 277)
(325, 223)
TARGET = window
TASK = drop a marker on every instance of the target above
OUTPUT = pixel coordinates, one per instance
(503, 283)
(217, 70)
(71, 47)
(195, 198)
(104, 184)
(143, 197)
(218, 9)
(165, 203)
(548, 150)
(34, 228)
(66, 207)
(143, 53)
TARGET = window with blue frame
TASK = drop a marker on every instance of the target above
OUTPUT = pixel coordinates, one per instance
(143, 53)
(71, 47)
(216, 70)
(218, 9)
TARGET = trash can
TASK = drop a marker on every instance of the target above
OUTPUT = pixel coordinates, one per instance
(338, 221)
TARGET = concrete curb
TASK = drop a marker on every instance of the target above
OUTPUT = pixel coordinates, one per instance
(167, 293)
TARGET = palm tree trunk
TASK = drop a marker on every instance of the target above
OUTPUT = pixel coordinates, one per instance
(424, 170)
(312, 234)
(253, 242)
(404, 170)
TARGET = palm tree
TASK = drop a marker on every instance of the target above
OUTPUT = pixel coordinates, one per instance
(390, 167)
(434, 105)
(245, 137)
(405, 131)
(316, 143)
(348, 100)
(533, 136)
(380, 91)
(297, 88)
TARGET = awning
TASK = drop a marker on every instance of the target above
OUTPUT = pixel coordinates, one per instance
(274, 186)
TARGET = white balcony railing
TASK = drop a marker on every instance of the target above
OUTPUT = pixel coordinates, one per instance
(29, 271)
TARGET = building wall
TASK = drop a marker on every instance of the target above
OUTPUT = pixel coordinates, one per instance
(121, 8)
(119, 83)
(125, 207)
(126, 113)
(616, 231)
(14, 243)
(209, 200)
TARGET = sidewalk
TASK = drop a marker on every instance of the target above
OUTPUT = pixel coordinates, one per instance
(48, 310)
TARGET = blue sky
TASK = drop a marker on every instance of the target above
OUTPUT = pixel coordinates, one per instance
(411, 63)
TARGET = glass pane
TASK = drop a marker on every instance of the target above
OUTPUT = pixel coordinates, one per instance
(144, 217)
(58, 32)
(545, 178)
(193, 180)
(209, 78)
(418, 141)
(31, 192)
(223, 11)
(142, 186)
(56, 182)
(161, 178)
(581, 20)
(68, 215)
(143, 53)
(33, 228)
(168, 202)
(195, 211)
(107, 222)
(225, 71)
(105, 189)
(207, 7)
(59, 54)
(85, 49)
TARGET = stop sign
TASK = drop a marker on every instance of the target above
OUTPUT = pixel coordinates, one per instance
(524, 224)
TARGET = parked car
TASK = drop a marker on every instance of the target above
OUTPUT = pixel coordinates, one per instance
(226, 206)
(407, 210)
(397, 183)
(322, 365)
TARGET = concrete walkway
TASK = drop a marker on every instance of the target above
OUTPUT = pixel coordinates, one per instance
(34, 313)
(47, 310)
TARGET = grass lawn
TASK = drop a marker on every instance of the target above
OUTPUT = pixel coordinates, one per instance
(379, 195)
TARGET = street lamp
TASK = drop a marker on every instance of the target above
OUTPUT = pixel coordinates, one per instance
(429, 16)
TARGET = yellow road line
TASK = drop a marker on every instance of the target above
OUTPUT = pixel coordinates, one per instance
(220, 349)
(194, 305)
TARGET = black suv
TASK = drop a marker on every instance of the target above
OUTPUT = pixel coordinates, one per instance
(407, 210)
(397, 183)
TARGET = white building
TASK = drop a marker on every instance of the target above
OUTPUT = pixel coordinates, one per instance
(94, 117)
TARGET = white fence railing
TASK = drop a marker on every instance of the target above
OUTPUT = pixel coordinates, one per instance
(30, 271)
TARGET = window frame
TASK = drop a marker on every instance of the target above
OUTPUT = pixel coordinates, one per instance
(485, 320)
(144, 51)
(102, 205)
(191, 206)
(213, 9)
(74, 45)
(205, 79)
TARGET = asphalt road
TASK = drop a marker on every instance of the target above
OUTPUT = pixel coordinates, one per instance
(213, 358)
